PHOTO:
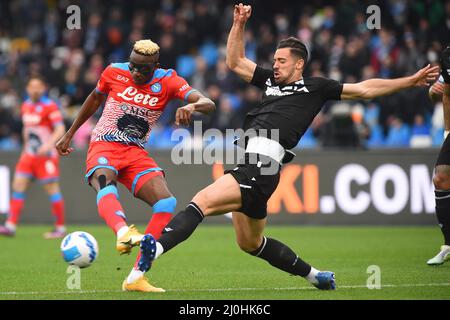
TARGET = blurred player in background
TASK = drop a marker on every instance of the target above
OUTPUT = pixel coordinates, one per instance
(289, 104)
(441, 91)
(42, 126)
(136, 94)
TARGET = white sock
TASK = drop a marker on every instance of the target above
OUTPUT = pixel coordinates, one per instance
(159, 250)
(134, 275)
(122, 231)
(311, 277)
(10, 226)
(61, 229)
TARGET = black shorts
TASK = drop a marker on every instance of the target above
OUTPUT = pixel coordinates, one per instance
(444, 154)
(257, 181)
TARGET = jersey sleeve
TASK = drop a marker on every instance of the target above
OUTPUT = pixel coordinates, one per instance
(54, 114)
(260, 77)
(22, 108)
(331, 89)
(103, 84)
(179, 87)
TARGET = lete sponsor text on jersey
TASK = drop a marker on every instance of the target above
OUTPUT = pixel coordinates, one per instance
(131, 94)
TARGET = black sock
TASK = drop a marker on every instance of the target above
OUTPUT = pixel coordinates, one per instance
(443, 213)
(282, 257)
(181, 226)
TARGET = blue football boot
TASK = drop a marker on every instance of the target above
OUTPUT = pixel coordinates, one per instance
(326, 280)
(148, 252)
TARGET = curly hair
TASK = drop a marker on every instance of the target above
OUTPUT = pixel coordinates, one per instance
(146, 47)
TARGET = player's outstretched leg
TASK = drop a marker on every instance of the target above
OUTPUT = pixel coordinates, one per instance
(220, 197)
(109, 208)
(178, 230)
(250, 239)
(147, 255)
(155, 193)
(162, 212)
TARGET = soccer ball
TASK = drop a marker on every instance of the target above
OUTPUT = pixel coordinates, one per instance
(79, 248)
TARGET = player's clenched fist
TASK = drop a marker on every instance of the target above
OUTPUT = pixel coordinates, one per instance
(62, 146)
(242, 13)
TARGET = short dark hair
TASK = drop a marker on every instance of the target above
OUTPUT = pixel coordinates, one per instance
(36, 77)
(297, 47)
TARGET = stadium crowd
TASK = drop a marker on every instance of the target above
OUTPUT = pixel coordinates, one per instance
(192, 37)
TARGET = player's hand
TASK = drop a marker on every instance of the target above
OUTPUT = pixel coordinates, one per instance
(184, 114)
(437, 88)
(44, 150)
(63, 145)
(242, 13)
(425, 76)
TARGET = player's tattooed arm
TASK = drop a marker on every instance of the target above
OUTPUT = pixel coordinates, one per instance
(196, 102)
(90, 105)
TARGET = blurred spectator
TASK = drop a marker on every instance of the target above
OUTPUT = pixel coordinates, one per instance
(398, 133)
(340, 130)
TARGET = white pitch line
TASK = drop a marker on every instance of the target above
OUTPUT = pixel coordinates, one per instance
(230, 289)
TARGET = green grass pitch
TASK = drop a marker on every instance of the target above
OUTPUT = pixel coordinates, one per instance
(210, 266)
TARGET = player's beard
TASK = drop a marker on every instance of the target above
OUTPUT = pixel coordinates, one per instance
(139, 80)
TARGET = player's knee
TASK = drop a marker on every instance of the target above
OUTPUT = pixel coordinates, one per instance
(105, 190)
(248, 244)
(52, 188)
(441, 180)
(165, 205)
(19, 186)
(203, 201)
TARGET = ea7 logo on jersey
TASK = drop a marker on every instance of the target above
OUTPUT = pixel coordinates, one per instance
(122, 78)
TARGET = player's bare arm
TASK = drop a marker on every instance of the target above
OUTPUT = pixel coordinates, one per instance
(197, 102)
(373, 88)
(58, 132)
(236, 59)
(90, 105)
